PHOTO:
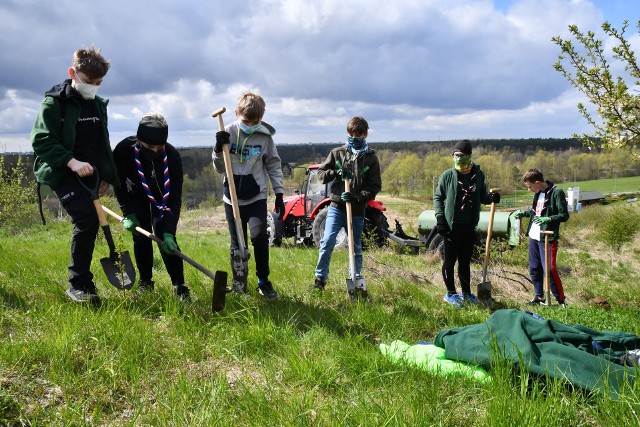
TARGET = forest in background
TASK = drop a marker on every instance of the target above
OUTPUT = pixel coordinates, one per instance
(412, 168)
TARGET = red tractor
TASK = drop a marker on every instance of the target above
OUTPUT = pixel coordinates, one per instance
(305, 214)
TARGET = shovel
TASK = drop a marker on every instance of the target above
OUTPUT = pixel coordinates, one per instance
(484, 287)
(241, 255)
(219, 279)
(354, 286)
(117, 267)
(547, 267)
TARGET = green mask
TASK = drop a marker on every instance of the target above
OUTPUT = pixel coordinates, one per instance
(462, 162)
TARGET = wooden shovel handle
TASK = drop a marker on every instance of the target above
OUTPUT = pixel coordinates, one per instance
(232, 185)
(352, 261)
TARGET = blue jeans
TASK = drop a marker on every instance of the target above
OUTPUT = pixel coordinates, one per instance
(336, 220)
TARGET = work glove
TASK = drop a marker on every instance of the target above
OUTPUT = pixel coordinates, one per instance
(279, 205)
(222, 138)
(349, 197)
(542, 220)
(168, 244)
(518, 214)
(344, 172)
(442, 227)
(494, 198)
(130, 222)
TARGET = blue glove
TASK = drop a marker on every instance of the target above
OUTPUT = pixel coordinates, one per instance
(168, 244)
(349, 197)
(541, 220)
(130, 222)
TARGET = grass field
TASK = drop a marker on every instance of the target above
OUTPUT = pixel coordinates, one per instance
(303, 360)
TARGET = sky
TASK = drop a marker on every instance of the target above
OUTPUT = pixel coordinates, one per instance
(424, 70)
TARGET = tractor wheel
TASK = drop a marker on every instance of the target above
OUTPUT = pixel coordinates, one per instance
(275, 229)
(375, 228)
(437, 246)
(317, 230)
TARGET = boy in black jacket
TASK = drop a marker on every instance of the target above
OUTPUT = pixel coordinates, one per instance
(71, 143)
(150, 170)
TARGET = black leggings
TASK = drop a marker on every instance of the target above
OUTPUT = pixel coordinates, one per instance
(458, 246)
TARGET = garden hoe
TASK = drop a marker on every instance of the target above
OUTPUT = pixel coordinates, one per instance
(240, 257)
(117, 267)
(355, 286)
(219, 278)
(484, 287)
(547, 267)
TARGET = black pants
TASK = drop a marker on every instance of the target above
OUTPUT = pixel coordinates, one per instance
(458, 246)
(143, 249)
(78, 203)
(255, 216)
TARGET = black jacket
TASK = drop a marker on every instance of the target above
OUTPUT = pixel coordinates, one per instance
(132, 196)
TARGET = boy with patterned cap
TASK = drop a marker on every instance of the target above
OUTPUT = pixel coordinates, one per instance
(456, 201)
(150, 170)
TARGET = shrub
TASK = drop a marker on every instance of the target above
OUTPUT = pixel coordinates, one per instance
(17, 195)
(619, 226)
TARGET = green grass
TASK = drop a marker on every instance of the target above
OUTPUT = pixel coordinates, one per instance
(606, 186)
(299, 361)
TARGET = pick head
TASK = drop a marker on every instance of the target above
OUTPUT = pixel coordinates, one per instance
(218, 112)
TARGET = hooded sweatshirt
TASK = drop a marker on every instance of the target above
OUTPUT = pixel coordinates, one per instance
(254, 160)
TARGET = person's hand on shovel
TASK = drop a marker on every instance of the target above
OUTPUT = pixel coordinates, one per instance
(130, 222)
(349, 197)
(168, 244)
(222, 138)
(494, 198)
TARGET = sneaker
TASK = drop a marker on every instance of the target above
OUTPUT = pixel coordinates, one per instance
(266, 290)
(319, 284)
(83, 295)
(453, 299)
(471, 298)
(563, 304)
(182, 292)
(145, 286)
(536, 301)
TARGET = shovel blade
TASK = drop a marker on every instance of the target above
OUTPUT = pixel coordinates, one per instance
(119, 270)
(351, 289)
(240, 270)
(484, 293)
(219, 291)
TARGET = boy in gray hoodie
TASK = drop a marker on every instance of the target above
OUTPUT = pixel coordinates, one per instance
(255, 161)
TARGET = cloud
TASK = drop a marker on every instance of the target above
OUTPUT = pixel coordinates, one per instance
(417, 69)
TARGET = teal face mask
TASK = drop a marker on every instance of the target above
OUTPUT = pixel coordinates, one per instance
(249, 130)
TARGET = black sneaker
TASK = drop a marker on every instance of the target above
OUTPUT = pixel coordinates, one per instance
(266, 290)
(182, 292)
(145, 286)
(563, 304)
(536, 301)
(319, 284)
(84, 295)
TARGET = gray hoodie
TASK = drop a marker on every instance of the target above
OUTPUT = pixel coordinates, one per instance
(254, 160)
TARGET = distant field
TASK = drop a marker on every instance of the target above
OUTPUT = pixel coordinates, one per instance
(606, 186)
